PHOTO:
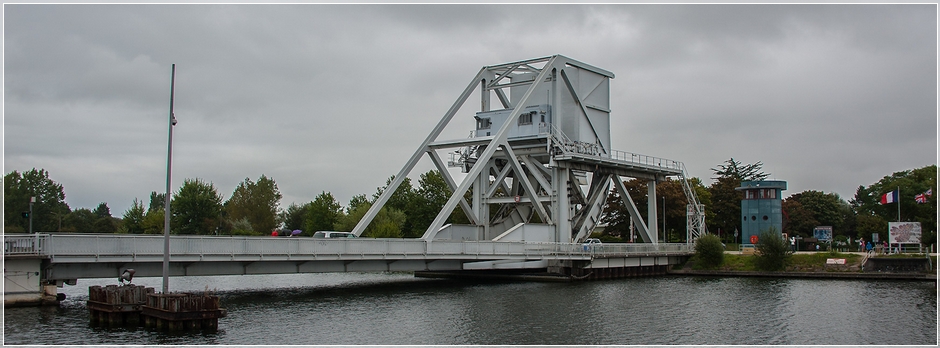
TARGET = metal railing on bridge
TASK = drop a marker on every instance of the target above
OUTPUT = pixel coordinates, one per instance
(149, 248)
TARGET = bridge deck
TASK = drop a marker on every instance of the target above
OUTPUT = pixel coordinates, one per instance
(102, 255)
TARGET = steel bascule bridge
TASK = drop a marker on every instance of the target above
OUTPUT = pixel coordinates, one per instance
(540, 167)
(536, 172)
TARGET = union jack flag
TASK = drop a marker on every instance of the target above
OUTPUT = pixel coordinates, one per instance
(922, 198)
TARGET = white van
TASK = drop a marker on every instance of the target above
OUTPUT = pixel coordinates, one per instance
(333, 234)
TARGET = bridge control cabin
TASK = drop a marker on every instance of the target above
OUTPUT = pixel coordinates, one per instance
(761, 208)
(534, 121)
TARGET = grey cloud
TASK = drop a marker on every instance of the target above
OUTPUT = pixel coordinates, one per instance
(336, 97)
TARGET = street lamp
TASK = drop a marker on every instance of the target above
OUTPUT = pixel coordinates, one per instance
(31, 201)
(166, 212)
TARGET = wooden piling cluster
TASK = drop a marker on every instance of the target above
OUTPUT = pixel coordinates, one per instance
(182, 311)
(115, 305)
(135, 305)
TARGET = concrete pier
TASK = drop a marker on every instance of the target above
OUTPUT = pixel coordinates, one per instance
(23, 284)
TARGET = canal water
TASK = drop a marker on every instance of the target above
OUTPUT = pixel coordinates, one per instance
(396, 308)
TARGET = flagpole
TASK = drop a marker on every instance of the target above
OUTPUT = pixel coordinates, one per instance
(899, 203)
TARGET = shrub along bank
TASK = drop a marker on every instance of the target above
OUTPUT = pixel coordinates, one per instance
(810, 262)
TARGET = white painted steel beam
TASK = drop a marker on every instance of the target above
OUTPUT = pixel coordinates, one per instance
(393, 186)
(498, 139)
(467, 209)
(651, 211)
(577, 100)
(634, 212)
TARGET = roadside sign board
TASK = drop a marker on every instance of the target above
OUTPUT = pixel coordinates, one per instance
(823, 233)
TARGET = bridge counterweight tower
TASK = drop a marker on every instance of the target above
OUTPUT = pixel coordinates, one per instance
(540, 167)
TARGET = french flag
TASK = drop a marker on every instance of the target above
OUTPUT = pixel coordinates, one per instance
(889, 197)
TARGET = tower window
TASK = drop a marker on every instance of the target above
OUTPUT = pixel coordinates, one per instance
(526, 118)
(483, 123)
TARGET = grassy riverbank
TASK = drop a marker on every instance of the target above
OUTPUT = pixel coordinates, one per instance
(800, 262)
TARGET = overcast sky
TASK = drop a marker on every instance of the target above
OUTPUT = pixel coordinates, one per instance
(337, 97)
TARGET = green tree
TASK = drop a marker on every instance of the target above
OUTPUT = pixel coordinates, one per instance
(869, 224)
(157, 201)
(867, 200)
(257, 202)
(798, 221)
(196, 208)
(740, 171)
(322, 214)
(386, 224)
(403, 200)
(709, 252)
(402, 197)
(105, 223)
(725, 200)
(134, 218)
(80, 220)
(295, 216)
(355, 202)
(430, 197)
(102, 210)
(48, 210)
(242, 227)
(773, 252)
(725, 208)
(153, 222)
(827, 209)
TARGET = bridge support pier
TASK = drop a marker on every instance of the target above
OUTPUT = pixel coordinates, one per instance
(23, 283)
(615, 267)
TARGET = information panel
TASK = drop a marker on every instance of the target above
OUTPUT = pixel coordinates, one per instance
(823, 233)
(904, 232)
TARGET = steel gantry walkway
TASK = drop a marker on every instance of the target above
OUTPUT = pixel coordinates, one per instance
(540, 167)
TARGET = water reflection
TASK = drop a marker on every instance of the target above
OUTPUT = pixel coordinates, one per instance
(399, 309)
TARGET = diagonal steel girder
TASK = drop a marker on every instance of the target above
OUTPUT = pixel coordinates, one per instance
(500, 139)
(634, 212)
(393, 186)
(530, 190)
(596, 196)
(439, 163)
(577, 99)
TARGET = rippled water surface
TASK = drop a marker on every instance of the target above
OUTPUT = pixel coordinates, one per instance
(362, 308)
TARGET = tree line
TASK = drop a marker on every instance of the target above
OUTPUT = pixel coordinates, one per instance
(197, 208)
(859, 217)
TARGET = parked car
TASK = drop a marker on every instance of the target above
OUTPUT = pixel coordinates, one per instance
(591, 244)
(333, 234)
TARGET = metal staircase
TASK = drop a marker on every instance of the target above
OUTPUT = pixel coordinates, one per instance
(695, 211)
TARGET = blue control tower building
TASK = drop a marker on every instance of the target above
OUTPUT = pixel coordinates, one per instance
(760, 208)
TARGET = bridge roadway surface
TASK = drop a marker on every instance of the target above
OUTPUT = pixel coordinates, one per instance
(67, 256)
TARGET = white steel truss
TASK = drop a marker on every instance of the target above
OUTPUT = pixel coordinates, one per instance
(548, 167)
